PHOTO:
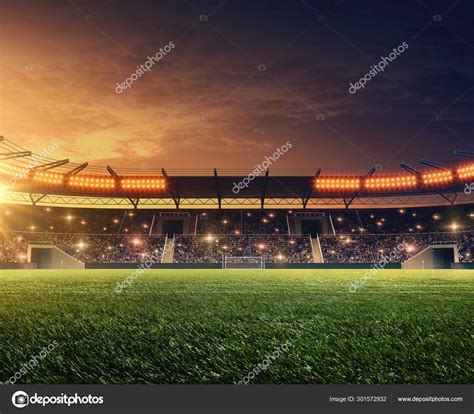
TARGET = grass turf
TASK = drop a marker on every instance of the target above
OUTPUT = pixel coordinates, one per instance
(212, 326)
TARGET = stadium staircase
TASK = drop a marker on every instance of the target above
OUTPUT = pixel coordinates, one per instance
(168, 250)
(317, 251)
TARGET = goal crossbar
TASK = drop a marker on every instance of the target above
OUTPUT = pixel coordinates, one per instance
(243, 262)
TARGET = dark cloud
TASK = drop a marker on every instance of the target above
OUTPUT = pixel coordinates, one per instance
(209, 103)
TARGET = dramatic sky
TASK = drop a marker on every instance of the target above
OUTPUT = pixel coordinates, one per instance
(208, 103)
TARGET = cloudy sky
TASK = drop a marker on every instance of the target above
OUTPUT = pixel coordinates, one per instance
(243, 78)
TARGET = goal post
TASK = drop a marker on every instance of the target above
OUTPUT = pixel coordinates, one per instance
(243, 262)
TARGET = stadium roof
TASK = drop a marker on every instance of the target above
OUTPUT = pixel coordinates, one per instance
(29, 178)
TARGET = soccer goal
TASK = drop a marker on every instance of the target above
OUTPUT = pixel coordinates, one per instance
(243, 262)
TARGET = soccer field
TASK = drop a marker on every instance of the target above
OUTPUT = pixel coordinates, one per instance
(214, 326)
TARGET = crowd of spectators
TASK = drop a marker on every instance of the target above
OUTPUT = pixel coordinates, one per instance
(88, 248)
(403, 220)
(370, 248)
(243, 222)
(212, 248)
(94, 235)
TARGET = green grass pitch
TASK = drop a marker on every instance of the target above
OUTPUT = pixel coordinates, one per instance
(215, 326)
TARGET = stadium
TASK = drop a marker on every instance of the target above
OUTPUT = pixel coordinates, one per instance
(193, 276)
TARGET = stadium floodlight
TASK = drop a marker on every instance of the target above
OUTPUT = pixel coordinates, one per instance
(438, 178)
(466, 171)
(338, 183)
(380, 183)
(91, 182)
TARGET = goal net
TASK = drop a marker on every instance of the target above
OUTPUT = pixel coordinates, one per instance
(244, 262)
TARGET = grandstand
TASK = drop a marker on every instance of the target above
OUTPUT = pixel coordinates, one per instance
(191, 217)
(125, 237)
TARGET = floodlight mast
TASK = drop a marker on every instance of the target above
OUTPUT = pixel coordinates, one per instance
(468, 154)
(78, 169)
(411, 170)
(51, 165)
(12, 155)
(433, 164)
